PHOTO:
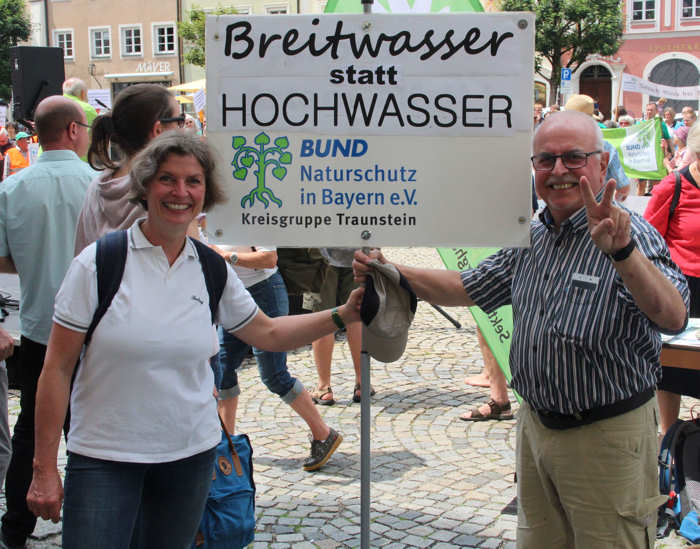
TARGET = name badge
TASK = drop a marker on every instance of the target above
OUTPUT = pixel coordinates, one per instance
(585, 282)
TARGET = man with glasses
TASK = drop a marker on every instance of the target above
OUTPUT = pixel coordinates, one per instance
(589, 299)
(75, 89)
(179, 120)
(39, 209)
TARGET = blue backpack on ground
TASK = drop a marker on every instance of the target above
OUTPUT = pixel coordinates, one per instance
(229, 516)
(679, 478)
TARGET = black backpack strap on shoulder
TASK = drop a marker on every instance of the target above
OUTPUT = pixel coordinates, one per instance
(215, 274)
(676, 195)
(110, 259)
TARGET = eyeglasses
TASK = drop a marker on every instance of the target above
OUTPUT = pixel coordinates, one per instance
(179, 119)
(545, 162)
(79, 124)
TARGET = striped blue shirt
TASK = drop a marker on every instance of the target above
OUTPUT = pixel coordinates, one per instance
(579, 340)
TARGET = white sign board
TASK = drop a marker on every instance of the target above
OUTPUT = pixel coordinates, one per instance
(199, 100)
(104, 97)
(372, 130)
(3, 115)
(33, 151)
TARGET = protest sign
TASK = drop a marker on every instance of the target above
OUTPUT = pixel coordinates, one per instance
(497, 327)
(33, 153)
(200, 100)
(639, 85)
(639, 147)
(356, 130)
(100, 99)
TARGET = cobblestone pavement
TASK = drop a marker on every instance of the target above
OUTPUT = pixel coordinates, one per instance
(437, 481)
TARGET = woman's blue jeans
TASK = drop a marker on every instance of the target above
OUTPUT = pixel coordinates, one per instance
(117, 505)
(271, 296)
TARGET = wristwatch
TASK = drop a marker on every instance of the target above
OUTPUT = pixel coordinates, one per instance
(233, 258)
(624, 253)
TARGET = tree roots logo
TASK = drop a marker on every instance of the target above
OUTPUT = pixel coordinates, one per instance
(260, 157)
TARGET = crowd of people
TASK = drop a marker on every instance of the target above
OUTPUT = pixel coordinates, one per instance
(146, 371)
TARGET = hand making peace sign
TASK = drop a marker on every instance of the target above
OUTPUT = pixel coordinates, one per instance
(608, 225)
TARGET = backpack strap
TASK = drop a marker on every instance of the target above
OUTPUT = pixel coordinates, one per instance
(666, 473)
(215, 274)
(110, 259)
(676, 195)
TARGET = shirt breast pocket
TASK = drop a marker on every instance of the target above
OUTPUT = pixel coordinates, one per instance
(577, 315)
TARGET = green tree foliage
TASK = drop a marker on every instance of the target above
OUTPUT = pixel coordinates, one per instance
(192, 32)
(568, 31)
(14, 27)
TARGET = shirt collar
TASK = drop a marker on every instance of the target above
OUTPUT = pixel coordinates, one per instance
(57, 155)
(138, 240)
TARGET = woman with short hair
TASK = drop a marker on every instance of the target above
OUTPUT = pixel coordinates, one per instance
(144, 425)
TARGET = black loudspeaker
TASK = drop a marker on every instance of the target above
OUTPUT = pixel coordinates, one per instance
(36, 74)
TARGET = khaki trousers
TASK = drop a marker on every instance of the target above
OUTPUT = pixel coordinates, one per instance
(590, 487)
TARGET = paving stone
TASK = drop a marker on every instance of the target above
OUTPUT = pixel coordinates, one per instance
(467, 540)
(443, 535)
(290, 538)
(416, 541)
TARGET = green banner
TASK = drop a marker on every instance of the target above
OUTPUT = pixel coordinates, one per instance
(496, 327)
(639, 147)
(405, 6)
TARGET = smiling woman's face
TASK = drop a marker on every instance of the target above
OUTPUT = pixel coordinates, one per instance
(175, 196)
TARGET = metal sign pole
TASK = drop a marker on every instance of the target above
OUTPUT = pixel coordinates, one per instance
(365, 415)
(365, 431)
(365, 422)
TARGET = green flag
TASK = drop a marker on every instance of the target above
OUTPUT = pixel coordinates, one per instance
(497, 327)
(639, 147)
(405, 6)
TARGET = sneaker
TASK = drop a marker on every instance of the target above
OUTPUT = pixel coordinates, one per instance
(322, 450)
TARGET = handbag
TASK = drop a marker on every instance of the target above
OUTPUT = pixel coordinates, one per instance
(229, 515)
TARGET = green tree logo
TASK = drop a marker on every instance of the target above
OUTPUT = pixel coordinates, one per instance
(261, 157)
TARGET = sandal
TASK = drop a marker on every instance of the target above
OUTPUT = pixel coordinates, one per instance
(318, 394)
(357, 392)
(496, 412)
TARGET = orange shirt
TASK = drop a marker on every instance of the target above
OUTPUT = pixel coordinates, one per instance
(15, 161)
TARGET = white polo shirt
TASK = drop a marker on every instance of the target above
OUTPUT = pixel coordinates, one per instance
(143, 391)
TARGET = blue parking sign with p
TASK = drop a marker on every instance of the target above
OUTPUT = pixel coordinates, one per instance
(565, 74)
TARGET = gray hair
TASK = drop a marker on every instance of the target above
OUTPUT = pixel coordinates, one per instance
(148, 161)
(74, 86)
(583, 117)
(625, 118)
(693, 139)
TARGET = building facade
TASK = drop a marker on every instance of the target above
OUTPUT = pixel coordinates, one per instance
(661, 44)
(111, 45)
